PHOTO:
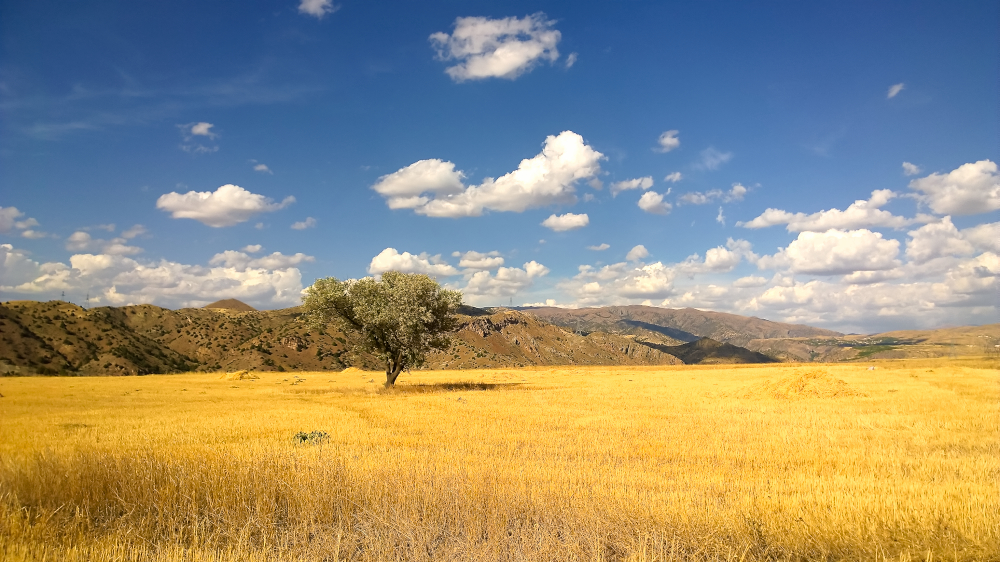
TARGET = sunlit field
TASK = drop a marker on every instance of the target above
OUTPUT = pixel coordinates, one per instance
(788, 462)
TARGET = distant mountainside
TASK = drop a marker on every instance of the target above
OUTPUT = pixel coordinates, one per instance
(943, 342)
(61, 338)
(231, 304)
(707, 351)
(681, 325)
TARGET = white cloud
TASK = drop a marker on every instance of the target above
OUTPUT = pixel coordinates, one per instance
(404, 187)
(302, 225)
(251, 248)
(637, 253)
(620, 282)
(668, 141)
(226, 206)
(894, 90)
(750, 281)
(719, 259)
(201, 130)
(711, 159)
(110, 227)
(391, 260)
(720, 218)
(434, 188)
(967, 190)
(317, 8)
(652, 202)
(477, 260)
(568, 221)
(736, 193)
(699, 198)
(599, 248)
(984, 236)
(484, 287)
(117, 280)
(910, 169)
(862, 213)
(571, 59)
(935, 240)
(8, 222)
(262, 168)
(81, 241)
(130, 233)
(637, 183)
(242, 261)
(835, 252)
(497, 48)
(673, 177)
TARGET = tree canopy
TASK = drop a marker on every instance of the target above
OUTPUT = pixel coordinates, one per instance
(398, 318)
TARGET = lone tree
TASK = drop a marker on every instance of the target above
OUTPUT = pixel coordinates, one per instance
(399, 318)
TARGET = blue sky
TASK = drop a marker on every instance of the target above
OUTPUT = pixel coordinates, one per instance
(824, 163)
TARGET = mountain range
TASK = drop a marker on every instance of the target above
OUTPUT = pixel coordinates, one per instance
(57, 337)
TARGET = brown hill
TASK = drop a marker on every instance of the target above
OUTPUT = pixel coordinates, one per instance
(680, 324)
(707, 351)
(62, 338)
(231, 304)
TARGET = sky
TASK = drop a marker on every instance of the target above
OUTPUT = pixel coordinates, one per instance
(825, 163)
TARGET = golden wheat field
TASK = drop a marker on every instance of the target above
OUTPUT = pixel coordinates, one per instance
(787, 462)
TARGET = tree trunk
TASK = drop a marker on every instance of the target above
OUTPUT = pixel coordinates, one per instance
(392, 370)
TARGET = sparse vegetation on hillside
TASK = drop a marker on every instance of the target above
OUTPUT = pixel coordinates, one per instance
(642, 464)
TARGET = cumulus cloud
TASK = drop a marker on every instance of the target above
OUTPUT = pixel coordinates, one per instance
(750, 281)
(894, 90)
(668, 141)
(835, 252)
(935, 240)
(568, 221)
(637, 183)
(967, 190)
(9, 221)
(910, 169)
(599, 248)
(262, 168)
(391, 260)
(637, 253)
(484, 287)
(862, 213)
(434, 188)
(317, 8)
(721, 259)
(737, 193)
(711, 159)
(81, 241)
(984, 236)
(251, 248)
(621, 282)
(477, 261)
(241, 261)
(118, 280)
(226, 206)
(720, 218)
(497, 48)
(673, 177)
(302, 225)
(201, 129)
(652, 202)
(130, 233)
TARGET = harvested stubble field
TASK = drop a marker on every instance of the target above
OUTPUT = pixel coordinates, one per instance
(786, 462)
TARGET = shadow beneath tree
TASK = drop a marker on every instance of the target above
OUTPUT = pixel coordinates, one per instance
(403, 388)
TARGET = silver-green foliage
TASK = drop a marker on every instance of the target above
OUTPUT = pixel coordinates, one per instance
(398, 318)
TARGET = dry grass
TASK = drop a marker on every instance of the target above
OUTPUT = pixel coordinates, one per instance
(638, 464)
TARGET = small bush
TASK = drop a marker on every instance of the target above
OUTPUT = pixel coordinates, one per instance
(311, 438)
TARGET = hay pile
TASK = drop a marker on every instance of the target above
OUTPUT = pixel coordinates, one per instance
(239, 376)
(815, 384)
(352, 370)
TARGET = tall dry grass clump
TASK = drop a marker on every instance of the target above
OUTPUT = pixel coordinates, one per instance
(634, 464)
